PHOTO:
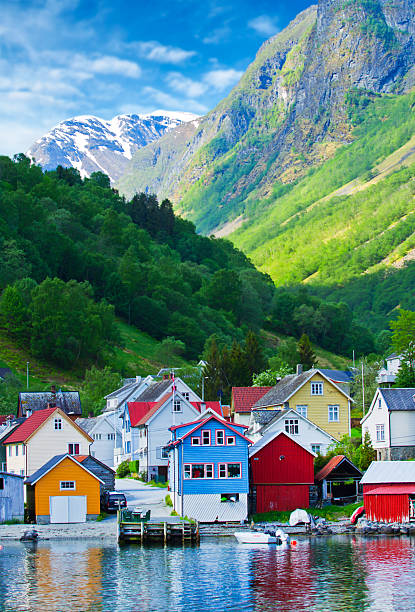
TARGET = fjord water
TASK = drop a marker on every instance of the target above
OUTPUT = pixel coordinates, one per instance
(337, 573)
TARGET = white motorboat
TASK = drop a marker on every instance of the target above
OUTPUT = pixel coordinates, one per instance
(259, 537)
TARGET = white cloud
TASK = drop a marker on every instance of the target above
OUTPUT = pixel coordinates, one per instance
(217, 36)
(222, 79)
(156, 52)
(264, 25)
(182, 84)
(170, 102)
(104, 64)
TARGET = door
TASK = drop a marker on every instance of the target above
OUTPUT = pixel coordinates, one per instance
(67, 509)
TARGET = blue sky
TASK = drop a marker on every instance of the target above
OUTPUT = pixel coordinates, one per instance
(61, 58)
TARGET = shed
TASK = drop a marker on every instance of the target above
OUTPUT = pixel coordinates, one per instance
(11, 497)
(389, 491)
(339, 480)
(105, 473)
(63, 491)
(282, 471)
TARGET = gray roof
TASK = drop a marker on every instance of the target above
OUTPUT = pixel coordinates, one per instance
(283, 389)
(68, 401)
(399, 399)
(87, 424)
(380, 472)
(7, 431)
(340, 376)
(263, 417)
(154, 391)
(5, 372)
(44, 469)
(124, 390)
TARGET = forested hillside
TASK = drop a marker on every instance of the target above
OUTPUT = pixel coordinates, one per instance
(75, 254)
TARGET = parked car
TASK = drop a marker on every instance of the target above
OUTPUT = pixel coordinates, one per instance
(113, 501)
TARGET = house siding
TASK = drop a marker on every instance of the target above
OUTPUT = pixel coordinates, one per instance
(307, 436)
(49, 486)
(11, 498)
(103, 472)
(317, 410)
(16, 464)
(386, 508)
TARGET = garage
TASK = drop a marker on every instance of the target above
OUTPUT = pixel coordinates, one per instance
(67, 509)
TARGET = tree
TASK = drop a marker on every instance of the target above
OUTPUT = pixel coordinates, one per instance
(222, 291)
(169, 349)
(9, 390)
(307, 356)
(213, 370)
(367, 453)
(269, 378)
(253, 358)
(287, 353)
(97, 384)
(403, 333)
(14, 314)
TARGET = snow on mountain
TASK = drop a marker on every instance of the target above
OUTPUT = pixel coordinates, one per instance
(91, 144)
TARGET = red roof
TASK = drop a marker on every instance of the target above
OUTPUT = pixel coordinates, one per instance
(203, 421)
(30, 425)
(5, 417)
(243, 398)
(142, 411)
(80, 458)
(393, 489)
(215, 406)
(333, 463)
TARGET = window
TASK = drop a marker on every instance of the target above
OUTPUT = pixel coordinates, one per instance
(302, 409)
(111, 436)
(127, 426)
(1, 483)
(291, 426)
(229, 497)
(316, 388)
(222, 470)
(220, 437)
(67, 485)
(197, 470)
(195, 441)
(230, 441)
(186, 395)
(379, 403)
(128, 447)
(316, 448)
(164, 453)
(229, 470)
(177, 406)
(23, 449)
(96, 436)
(206, 437)
(380, 433)
(58, 423)
(17, 450)
(333, 413)
(10, 451)
(73, 449)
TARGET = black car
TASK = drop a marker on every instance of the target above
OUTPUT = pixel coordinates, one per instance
(113, 501)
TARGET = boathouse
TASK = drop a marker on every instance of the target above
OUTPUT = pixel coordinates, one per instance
(208, 469)
(338, 481)
(282, 471)
(389, 491)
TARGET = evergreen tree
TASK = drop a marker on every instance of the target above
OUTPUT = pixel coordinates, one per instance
(254, 361)
(305, 350)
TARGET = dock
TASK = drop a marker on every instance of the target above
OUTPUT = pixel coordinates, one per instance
(171, 529)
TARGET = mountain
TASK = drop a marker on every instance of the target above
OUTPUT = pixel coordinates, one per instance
(92, 144)
(303, 164)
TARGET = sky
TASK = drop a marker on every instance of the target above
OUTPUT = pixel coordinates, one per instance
(63, 58)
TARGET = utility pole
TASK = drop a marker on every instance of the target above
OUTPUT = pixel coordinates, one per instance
(363, 390)
(27, 374)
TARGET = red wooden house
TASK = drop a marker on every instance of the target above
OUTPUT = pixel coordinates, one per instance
(282, 471)
(389, 491)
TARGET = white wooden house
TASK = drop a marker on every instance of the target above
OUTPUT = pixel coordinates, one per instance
(105, 430)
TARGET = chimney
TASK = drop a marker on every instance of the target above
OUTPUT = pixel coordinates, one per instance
(137, 379)
(165, 377)
(299, 368)
(53, 389)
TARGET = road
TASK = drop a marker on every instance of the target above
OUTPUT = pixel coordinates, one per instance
(144, 496)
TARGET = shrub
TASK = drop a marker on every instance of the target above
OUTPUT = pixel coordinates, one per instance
(123, 469)
(142, 476)
(168, 501)
(134, 466)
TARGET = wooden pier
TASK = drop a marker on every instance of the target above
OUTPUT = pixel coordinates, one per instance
(166, 529)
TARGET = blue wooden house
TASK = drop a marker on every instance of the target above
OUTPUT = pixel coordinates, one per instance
(208, 469)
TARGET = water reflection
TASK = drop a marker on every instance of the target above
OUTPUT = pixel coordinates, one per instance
(339, 573)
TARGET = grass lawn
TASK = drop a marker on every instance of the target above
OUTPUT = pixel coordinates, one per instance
(330, 513)
(356, 432)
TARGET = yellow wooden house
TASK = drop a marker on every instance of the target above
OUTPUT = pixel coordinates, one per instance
(313, 395)
(63, 491)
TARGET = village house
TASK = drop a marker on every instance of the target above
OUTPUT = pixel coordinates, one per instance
(315, 396)
(390, 423)
(282, 471)
(307, 434)
(338, 481)
(41, 436)
(151, 394)
(63, 490)
(11, 497)
(104, 473)
(130, 390)
(387, 375)
(242, 400)
(105, 430)
(209, 469)
(389, 491)
(31, 401)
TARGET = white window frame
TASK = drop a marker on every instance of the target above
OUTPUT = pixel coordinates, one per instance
(177, 406)
(74, 444)
(225, 466)
(164, 453)
(332, 414)
(206, 431)
(380, 432)
(220, 431)
(302, 409)
(314, 447)
(188, 468)
(228, 438)
(186, 395)
(58, 424)
(63, 487)
(193, 441)
(291, 426)
(317, 387)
